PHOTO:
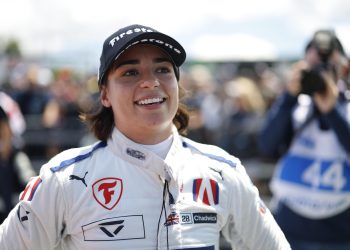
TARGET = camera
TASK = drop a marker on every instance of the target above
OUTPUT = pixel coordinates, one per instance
(325, 42)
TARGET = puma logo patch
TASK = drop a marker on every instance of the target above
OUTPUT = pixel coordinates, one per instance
(82, 179)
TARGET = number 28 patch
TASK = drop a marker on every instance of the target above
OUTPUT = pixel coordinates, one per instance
(196, 218)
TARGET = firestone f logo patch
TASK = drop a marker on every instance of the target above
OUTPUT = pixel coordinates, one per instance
(206, 191)
(108, 191)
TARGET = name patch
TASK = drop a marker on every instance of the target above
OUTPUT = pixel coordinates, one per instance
(198, 218)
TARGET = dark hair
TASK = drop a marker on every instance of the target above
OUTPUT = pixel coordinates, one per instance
(100, 119)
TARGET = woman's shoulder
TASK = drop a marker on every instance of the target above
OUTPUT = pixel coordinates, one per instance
(212, 152)
(71, 156)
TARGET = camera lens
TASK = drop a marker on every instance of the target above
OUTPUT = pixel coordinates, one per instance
(312, 82)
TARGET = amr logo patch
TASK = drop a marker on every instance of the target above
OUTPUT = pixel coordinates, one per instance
(108, 191)
(206, 191)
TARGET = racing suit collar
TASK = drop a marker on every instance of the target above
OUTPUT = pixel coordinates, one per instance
(136, 154)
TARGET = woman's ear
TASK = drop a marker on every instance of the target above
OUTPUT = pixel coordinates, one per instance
(104, 97)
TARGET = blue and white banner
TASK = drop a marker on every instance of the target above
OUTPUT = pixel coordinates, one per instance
(313, 188)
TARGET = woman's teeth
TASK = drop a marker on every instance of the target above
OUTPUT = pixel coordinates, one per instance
(151, 101)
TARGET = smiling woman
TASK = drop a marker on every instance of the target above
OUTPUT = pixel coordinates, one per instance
(142, 92)
(138, 66)
(143, 185)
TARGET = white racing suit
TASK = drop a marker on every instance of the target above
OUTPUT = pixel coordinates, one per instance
(118, 195)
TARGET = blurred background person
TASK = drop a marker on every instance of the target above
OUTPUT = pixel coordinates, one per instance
(244, 108)
(15, 118)
(196, 126)
(61, 114)
(32, 95)
(206, 103)
(309, 126)
(15, 168)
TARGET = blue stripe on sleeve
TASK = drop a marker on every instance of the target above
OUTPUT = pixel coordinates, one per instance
(211, 156)
(78, 158)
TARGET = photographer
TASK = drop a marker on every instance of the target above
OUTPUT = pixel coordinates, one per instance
(309, 126)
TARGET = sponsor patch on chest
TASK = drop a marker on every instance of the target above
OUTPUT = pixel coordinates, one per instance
(191, 218)
(114, 229)
(108, 191)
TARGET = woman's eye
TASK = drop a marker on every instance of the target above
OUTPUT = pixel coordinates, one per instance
(163, 70)
(131, 73)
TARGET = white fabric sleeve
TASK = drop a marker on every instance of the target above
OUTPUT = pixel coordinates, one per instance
(37, 221)
(250, 224)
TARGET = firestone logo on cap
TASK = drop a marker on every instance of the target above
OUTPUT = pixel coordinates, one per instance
(156, 41)
(129, 36)
(128, 32)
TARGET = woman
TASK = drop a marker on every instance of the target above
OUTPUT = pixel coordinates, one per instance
(143, 186)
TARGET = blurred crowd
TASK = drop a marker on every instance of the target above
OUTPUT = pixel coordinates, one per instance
(222, 97)
(228, 101)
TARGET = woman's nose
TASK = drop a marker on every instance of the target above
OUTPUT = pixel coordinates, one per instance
(150, 82)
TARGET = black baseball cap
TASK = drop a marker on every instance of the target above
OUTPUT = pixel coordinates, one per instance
(124, 38)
